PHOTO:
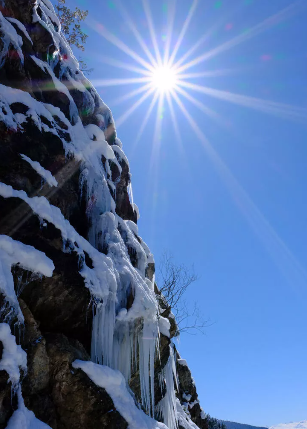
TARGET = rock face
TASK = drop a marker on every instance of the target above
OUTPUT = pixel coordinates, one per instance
(76, 280)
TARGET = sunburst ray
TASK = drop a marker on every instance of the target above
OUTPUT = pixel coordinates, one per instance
(257, 29)
(274, 245)
(116, 82)
(100, 29)
(146, 118)
(207, 110)
(170, 26)
(266, 106)
(122, 65)
(136, 33)
(131, 94)
(129, 112)
(183, 31)
(152, 31)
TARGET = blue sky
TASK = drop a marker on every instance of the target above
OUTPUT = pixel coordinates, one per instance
(233, 205)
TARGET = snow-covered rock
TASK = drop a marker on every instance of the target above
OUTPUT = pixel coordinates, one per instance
(76, 279)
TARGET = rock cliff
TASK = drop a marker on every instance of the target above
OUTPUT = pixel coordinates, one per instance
(85, 341)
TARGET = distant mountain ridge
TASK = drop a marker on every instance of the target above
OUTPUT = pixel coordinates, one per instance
(234, 425)
(293, 425)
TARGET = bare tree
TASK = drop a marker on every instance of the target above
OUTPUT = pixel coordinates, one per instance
(174, 280)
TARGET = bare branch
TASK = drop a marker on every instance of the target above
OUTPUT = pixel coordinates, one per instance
(174, 280)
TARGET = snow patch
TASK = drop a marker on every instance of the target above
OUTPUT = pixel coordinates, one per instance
(45, 174)
(293, 425)
(24, 418)
(164, 326)
(12, 253)
(13, 357)
(114, 383)
(21, 27)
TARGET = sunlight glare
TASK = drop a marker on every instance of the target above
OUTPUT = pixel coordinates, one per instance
(164, 79)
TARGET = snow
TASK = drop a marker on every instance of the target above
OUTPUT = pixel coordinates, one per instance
(164, 326)
(45, 174)
(182, 362)
(293, 425)
(120, 153)
(9, 36)
(59, 86)
(122, 335)
(96, 133)
(114, 383)
(24, 418)
(14, 252)
(186, 397)
(133, 226)
(108, 283)
(13, 356)
(21, 27)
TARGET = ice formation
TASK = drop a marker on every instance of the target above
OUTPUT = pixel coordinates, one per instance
(125, 337)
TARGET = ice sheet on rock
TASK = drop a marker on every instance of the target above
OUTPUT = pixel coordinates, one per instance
(109, 340)
(130, 335)
(115, 385)
(167, 407)
(23, 418)
(13, 357)
(45, 174)
(128, 230)
(9, 36)
(13, 252)
(21, 27)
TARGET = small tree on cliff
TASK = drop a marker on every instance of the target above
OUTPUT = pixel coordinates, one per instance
(71, 26)
(174, 280)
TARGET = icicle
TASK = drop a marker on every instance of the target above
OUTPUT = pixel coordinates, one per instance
(167, 406)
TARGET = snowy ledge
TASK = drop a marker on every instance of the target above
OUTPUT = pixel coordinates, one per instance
(114, 383)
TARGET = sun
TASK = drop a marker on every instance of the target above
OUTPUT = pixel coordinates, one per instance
(164, 78)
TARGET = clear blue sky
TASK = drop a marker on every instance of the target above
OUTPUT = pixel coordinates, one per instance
(238, 213)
